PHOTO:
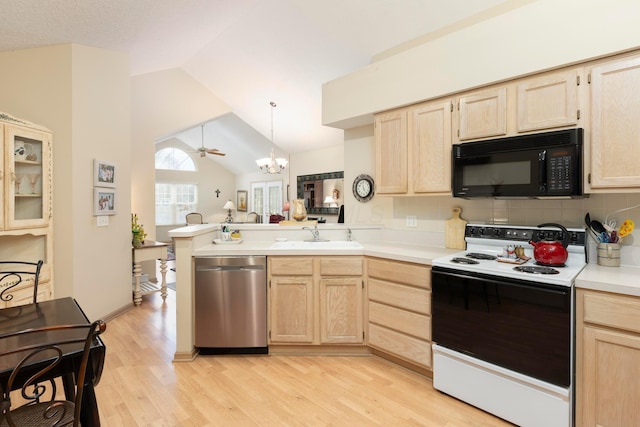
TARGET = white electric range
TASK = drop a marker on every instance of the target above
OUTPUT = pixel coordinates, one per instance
(503, 326)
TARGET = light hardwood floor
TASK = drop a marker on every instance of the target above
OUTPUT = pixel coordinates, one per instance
(141, 386)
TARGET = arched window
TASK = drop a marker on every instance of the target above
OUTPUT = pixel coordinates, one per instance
(172, 158)
(178, 197)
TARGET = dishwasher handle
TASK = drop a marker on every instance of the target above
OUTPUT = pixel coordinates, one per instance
(231, 268)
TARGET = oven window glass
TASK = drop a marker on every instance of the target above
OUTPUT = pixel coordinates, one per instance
(505, 173)
(509, 323)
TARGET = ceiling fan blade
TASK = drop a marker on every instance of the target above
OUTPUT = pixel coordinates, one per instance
(215, 152)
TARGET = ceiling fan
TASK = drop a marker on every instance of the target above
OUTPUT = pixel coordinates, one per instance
(204, 150)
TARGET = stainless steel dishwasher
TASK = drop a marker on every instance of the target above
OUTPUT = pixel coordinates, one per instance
(231, 304)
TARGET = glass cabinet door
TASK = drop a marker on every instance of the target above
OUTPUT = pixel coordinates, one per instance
(4, 177)
(27, 189)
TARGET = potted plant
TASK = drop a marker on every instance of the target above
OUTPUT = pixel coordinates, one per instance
(137, 231)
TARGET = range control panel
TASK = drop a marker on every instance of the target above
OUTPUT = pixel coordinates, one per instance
(576, 236)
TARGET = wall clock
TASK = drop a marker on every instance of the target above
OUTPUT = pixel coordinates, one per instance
(363, 187)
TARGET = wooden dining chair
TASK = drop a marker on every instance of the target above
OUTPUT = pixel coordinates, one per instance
(14, 273)
(32, 377)
(194, 218)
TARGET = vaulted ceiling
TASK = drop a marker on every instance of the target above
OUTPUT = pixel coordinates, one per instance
(247, 52)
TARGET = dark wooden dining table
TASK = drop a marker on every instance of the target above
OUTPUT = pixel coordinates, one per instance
(61, 311)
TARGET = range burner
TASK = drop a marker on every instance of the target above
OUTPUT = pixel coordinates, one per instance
(478, 255)
(536, 269)
(461, 260)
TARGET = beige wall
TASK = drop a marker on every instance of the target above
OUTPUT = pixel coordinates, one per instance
(82, 95)
(163, 103)
(359, 153)
(540, 35)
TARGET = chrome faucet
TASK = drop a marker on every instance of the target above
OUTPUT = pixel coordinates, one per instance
(348, 234)
(314, 232)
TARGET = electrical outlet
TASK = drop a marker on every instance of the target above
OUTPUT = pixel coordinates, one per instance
(102, 221)
(412, 221)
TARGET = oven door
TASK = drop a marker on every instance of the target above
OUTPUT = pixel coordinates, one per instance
(519, 325)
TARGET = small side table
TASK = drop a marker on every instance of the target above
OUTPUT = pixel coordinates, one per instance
(149, 251)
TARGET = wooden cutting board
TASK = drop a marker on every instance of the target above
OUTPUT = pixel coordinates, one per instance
(454, 230)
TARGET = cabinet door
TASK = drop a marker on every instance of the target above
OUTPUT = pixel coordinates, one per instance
(27, 196)
(430, 147)
(391, 152)
(610, 387)
(341, 310)
(483, 114)
(547, 102)
(615, 108)
(292, 310)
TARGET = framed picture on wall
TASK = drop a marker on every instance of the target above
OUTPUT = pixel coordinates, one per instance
(104, 174)
(241, 203)
(104, 201)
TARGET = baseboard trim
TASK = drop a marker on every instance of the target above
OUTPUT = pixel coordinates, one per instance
(118, 312)
(185, 356)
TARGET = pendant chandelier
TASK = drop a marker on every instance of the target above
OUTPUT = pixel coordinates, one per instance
(270, 164)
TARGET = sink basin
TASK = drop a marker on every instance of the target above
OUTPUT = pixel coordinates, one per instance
(333, 244)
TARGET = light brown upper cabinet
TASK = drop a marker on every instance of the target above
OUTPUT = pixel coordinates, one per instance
(391, 152)
(530, 104)
(430, 147)
(615, 128)
(482, 114)
(413, 149)
(548, 101)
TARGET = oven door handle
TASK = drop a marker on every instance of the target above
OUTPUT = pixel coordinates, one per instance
(555, 289)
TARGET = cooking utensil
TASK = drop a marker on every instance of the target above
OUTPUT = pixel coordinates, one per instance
(626, 228)
(597, 226)
(587, 221)
(551, 252)
(454, 230)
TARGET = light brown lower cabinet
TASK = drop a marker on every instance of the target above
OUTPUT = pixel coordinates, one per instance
(607, 359)
(316, 300)
(399, 310)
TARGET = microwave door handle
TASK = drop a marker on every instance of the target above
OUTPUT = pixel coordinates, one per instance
(542, 168)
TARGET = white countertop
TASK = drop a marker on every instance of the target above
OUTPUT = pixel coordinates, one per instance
(420, 254)
(622, 280)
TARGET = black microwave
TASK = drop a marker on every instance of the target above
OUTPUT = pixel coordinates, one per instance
(539, 165)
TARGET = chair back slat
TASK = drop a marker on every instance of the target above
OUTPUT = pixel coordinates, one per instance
(15, 273)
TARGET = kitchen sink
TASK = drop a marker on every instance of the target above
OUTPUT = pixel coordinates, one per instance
(332, 244)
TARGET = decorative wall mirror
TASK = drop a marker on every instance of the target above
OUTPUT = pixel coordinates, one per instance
(323, 193)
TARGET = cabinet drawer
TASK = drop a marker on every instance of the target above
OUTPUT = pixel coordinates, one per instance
(417, 325)
(400, 272)
(400, 296)
(341, 266)
(618, 311)
(291, 266)
(404, 346)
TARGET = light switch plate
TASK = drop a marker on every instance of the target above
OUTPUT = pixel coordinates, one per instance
(102, 221)
(412, 221)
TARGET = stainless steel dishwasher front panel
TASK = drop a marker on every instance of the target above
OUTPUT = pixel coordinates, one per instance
(231, 302)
